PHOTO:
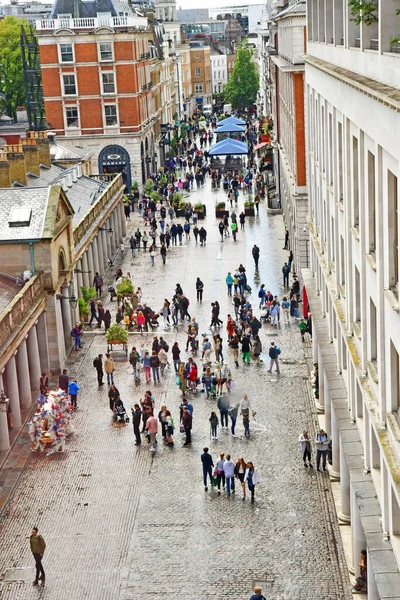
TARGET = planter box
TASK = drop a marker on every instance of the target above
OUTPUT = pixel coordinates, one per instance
(200, 214)
(221, 213)
(180, 213)
(249, 211)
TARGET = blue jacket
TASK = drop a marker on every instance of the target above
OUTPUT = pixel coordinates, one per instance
(73, 388)
(207, 460)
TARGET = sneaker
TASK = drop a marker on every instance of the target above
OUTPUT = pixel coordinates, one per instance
(310, 465)
(324, 468)
(305, 464)
(35, 582)
(206, 489)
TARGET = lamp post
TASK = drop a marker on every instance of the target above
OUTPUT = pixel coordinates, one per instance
(148, 161)
(4, 436)
(109, 230)
(72, 299)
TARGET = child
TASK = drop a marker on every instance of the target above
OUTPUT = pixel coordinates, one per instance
(207, 380)
(73, 389)
(214, 425)
(170, 428)
(213, 386)
(302, 327)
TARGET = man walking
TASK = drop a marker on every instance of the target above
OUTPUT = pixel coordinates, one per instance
(273, 353)
(256, 255)
(38, 546)
(98, 283)
(151, 428)
(322, 443)
(136, 418)
(199, 289)
(208, 463)
(109, 367)
(187, 421)
(286, 271)
(223, 406)
(98, 365)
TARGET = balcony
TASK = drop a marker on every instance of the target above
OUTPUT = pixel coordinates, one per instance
(139, 23)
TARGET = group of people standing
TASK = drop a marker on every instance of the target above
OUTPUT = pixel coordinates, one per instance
(225, 471)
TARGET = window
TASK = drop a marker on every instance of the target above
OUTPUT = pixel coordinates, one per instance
(197, 57)
(108, 83)
(106, 51)
(340, 161)
(371, 203)
(356, 194)
(393, 230)
(197, 72)
(198, 88)
(66, 53)
(373, 331)
(110, 111)
(394, 378)
(71, 116)
(69, 85)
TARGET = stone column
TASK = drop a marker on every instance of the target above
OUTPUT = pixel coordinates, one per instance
(344, 514)
(4, 435)
(334, 473)
(328, 405)
(34, 358)
(117, 222)
(79, 278)
(41, 330)
(123, 219)
(321, 399)
(102, 260)
(90, 262)
(96, 260)
(66, 318)
(371, 585)
(357, 534)
(12, 392)
(24, 384)
(315, 346)
(114, 237)
(75, 318)
(107, 242)
(87, 277)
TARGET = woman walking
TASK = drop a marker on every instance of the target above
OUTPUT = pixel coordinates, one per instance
(147, 365)
(252, 478)
(240, 471)
(305, 446)
(214, 425)
(162, 417)
(219, 471)
(170, 428)
(175, 356)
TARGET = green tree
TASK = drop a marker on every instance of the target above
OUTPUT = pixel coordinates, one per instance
(12, 93)
(242, 87)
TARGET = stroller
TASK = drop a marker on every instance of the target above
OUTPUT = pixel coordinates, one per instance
(119, 411)
(111, 290)
(266, 314)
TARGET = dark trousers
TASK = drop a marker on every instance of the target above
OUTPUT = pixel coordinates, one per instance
(252, 490)
(306, 456)
(188, 432)
(206, 471)
(220, 477)
(100, 377)
(200, 295)
(256, 262)
(286, 279)
(136, 431)
(321, 453)
(39, 566)
(94, 316)
(224, 417)
(73, 400)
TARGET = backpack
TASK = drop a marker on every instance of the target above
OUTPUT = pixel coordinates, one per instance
(277, 350)
(73, 333)
(260, 294)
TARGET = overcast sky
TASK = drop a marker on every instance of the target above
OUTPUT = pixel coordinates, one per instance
(213, 3)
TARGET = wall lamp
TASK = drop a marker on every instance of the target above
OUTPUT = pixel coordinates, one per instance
(72, 299)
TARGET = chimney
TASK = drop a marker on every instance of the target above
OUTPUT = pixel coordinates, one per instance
(74, 175)
(43, 145)
(31, 154)
(16, 159)
(5, 181)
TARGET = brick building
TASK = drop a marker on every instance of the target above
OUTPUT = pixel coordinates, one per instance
(97, 60)
(200, 60)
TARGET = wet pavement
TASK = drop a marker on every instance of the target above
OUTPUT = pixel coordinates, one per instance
(122, 524)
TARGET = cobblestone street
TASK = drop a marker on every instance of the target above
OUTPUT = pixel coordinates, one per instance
(121, 524)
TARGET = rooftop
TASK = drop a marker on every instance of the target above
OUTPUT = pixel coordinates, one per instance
(9, 288)
(32, 201)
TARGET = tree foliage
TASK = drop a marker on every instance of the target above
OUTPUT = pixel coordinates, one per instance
(242, 87)
(365, 11)
(11, 71)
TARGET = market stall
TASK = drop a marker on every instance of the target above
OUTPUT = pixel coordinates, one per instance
(52, 422)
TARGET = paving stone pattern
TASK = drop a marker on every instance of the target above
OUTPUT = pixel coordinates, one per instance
(121, 524)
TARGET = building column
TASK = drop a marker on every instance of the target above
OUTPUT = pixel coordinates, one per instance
(4, 434)
(75, 317)
(358, 537)
(41, 330)
(34, 359)
(12, 392)
(314, 346)
(96, 260)
(107, 244)
(79, 278)
(327, 405)
(87, 277)
(371, 583)
(113, 236)
(66, 318)
(321, 397)
(117, 229)
(24, 384)
(90, 261)
(100, 249)
(344, 514)
(334, 473)
(122, 217)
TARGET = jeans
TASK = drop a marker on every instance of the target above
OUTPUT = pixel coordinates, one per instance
(136, 431)
(110, 378)
(100, 377)
(39, 566)
(224, 417)
(229, 289)
(230, 484)
(233, 425)
(93, 316)
(208, 387)
(152, 260)
(214, 431)
(251, 489)
(246, 425)
(286, 279)
(220, 477)
(306, 455)
(177, 365)
(77, 341)
(147, 371)
(206, 471)
(323, 454)
(153, 441)
(156, 374)
(175, 318)
(188, 433)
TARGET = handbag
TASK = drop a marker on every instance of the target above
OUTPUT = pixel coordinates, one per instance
(214, 481)
(177, 380)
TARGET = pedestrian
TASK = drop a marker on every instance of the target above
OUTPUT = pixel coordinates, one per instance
(152, 255)
(109, 367)
(286, 246)
(234, 230)
(175, 356)
(187, 422)
(136, 418)
(221, 228)
(322, 441)
(152, 428)
(98, 365)
(286, 271)
(163, 358)
(251, 477)
(107, 320)
(303, 329)
(305, 446)
(73, 389)
(98, 283)
(38, 547)
(229, 283)
(234, 344)
(170, 428)
(113, 395)
(63, 380)
(274, 352)
(155, 367)
(219, 471)
(242, 220)
(257, 594)
(285, 309)
(257, 348)
(163, 420)
(199, 289)
(43, 384)
(207, 463)
(214, 425)
(274, 312)
(223, 406)
(233, 413)
(76, 334)
(195, 233)
(163, 252)
(202, 236)
(240, 471)
(246, 345)
(93, 312)
(147, 366)
(229, 471)
(256, 255)
(133, 245)
(245, 408)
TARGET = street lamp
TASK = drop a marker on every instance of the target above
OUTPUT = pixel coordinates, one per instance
(72, 299)
(80, 271)
(108, 229)
(4, 402)
(148, 161)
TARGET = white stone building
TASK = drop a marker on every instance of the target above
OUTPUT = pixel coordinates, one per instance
(353, 127)
(219, 71)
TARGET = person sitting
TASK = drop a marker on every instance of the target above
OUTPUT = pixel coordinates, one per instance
(361, 581)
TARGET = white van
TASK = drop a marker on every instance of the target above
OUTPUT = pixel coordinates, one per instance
(207, 109)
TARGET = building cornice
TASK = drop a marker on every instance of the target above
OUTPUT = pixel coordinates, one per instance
(381, 92)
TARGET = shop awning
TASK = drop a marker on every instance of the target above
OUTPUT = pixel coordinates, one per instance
(230, 128)
(228, 147)
(231, 120)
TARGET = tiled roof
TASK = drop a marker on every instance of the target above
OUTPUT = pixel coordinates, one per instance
(8, 290)
(35, 199)
(86, 9)
(64, 152)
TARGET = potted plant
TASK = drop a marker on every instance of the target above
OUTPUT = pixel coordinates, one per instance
(148, 188)
(88, 293)
(220, 211)
(249, 208)
(163, 180)
(200, 210)
(83, 309)
(117, 335)
(135, 189)
(125, 287)
(155, 196)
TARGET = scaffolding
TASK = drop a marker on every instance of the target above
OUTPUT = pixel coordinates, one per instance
(32, 80)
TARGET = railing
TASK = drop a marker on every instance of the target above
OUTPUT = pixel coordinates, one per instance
(84, 225)
(15, 312)
(91, 23)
